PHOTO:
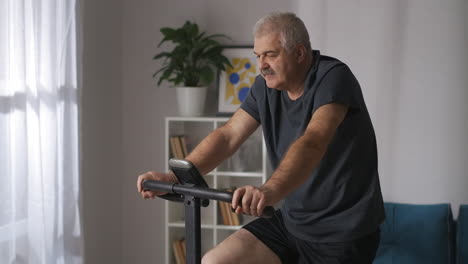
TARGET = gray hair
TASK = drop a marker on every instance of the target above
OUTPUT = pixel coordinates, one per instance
(290, 27)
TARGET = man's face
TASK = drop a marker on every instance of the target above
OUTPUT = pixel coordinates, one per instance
(276, 65)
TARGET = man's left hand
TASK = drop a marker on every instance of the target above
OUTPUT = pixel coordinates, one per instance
(251, 200)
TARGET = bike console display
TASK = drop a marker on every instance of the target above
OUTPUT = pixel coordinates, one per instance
(186, 173)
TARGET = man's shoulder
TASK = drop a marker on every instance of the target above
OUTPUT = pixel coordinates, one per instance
(328, 63)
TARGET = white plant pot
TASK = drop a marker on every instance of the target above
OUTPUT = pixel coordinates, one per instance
(191, 100)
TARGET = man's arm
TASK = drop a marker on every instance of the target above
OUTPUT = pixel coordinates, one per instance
(223, 142)
(300, 160)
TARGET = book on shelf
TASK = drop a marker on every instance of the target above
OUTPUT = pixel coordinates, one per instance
(175, 147)
(178, 247)
(183, 142)
(227, 214)
(179, 146)
(223, 211)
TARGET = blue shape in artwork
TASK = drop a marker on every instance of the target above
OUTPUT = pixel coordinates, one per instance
(243, 93)
(248, 65)
(234, 78)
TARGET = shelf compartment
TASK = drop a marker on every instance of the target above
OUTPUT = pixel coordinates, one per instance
(182, 225)
(177, 213)
(207, 241)
(248, 158)
(233, 181)
(239, 174)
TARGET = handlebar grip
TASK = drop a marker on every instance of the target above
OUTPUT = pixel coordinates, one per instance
(200, 192)
(158, 186)
(268, 211)
(163, 186)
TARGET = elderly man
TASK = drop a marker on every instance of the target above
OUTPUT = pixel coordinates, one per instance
(322, 147)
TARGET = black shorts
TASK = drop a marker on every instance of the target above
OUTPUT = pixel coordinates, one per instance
(289, 249)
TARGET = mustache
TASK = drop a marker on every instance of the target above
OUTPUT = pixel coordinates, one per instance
(267, 71)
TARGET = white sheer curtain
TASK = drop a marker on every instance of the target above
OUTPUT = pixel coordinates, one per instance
(39, 172)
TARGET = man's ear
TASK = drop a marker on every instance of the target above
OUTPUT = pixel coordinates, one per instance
(301, 53)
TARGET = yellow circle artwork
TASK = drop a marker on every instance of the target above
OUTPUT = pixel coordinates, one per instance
(239, 79)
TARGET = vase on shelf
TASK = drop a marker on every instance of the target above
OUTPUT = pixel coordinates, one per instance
(191, 100)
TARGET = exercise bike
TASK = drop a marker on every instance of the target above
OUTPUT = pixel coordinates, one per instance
(194, 192)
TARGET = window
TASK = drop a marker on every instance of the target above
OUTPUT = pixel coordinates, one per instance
(39, 219)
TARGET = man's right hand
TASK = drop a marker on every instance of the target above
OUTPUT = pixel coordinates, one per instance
(157, 176)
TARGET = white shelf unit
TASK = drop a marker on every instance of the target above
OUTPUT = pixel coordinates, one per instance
(248, 166)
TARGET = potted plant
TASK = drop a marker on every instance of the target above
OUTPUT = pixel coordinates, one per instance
(191, 65)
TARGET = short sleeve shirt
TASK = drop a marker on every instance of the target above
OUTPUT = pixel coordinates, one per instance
(341, 200)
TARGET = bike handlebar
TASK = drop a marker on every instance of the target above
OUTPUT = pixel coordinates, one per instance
(200, 192)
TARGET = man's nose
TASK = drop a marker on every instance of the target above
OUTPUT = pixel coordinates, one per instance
(261, 62)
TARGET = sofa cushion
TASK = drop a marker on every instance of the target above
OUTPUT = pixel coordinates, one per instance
(413, 234)
(462, 235)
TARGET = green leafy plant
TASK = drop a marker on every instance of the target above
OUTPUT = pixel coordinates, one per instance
(194, 59)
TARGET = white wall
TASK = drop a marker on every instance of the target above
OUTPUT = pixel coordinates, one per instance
(416, 100)
(101, 124)
(143, 110)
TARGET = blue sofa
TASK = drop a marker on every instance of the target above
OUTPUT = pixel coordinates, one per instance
(462, 235)
(413, 234)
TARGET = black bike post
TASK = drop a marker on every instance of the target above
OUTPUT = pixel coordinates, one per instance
(192, 229)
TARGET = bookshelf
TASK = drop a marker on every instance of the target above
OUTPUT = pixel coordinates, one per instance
(248, 166)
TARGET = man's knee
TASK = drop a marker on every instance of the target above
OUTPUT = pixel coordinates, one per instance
(231, 250)
(240, 247)
(210, 257)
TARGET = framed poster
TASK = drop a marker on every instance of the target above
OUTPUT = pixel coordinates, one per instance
(234, 83)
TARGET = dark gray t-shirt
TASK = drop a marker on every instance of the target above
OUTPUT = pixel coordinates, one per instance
(341, 200)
